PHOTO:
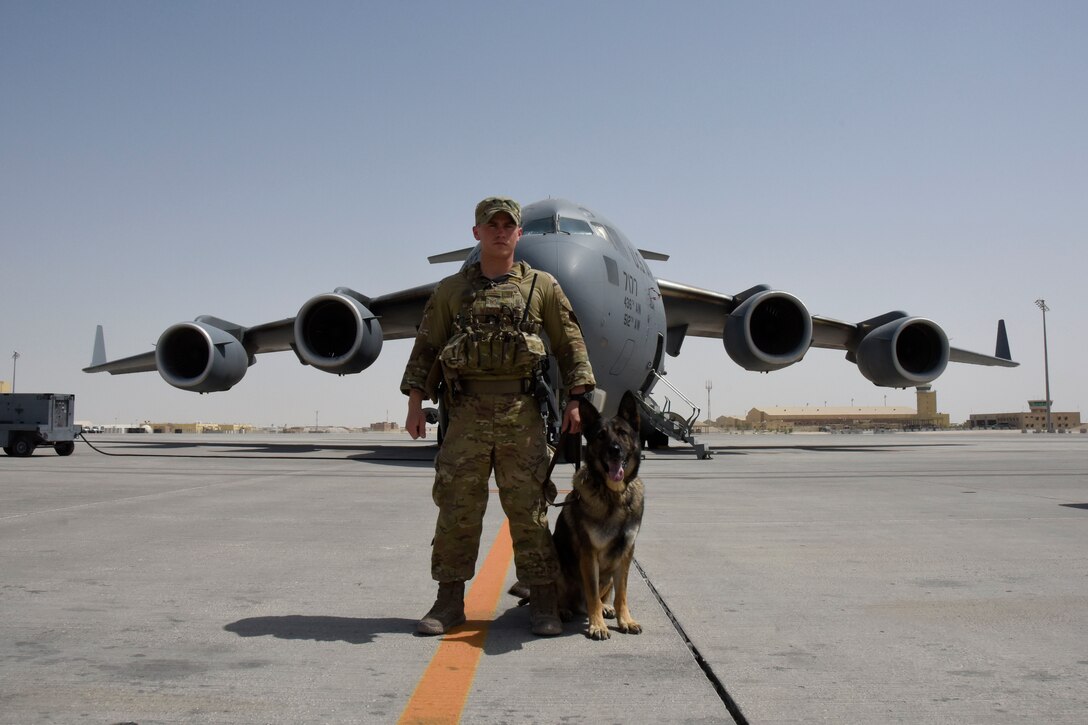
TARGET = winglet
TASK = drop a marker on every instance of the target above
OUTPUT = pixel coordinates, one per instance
(1002, 349)
(458, 255)
(98, 357)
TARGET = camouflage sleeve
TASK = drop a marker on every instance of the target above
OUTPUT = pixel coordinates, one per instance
(565, 334)
(430, 338)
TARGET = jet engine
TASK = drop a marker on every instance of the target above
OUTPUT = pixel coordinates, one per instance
(200, 357)
(768, 331)
(336, 333)
(904, 352)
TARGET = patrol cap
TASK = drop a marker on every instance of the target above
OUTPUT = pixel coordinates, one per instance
(492, 205)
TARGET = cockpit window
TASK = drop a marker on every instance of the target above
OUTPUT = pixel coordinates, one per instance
(574, 226)
(544, 225)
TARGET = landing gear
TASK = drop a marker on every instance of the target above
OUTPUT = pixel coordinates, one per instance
(655, 439)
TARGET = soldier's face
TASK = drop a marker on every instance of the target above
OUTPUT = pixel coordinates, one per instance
(498, 236)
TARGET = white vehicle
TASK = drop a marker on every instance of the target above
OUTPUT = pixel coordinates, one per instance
(29, 420)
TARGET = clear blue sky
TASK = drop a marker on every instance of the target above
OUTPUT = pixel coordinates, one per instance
(160, 160)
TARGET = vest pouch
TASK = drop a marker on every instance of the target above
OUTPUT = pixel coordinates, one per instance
(490, 351)
(476, 350)
(527, 353)
(496, 340)
(455, 355)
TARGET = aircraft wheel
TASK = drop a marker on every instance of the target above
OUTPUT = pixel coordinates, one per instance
(9, 451)
(23, 446)
(64, 448)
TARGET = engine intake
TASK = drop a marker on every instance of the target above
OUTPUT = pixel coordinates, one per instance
(200, 357)
(905, 352)
(336, 333)
(768, 331)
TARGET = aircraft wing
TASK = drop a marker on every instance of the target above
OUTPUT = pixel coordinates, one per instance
(269, 337)
(840, 335)
(704, 313)
(765, 329)
(400, 312)
(339, 332)
(700, 312)
(142, 363)
(977, 358)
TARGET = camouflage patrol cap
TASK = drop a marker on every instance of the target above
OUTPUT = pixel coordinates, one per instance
(492, 205)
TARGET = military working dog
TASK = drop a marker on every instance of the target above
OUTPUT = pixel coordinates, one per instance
(596, 529)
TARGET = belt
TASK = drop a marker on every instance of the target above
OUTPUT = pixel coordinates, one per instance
(496, 387)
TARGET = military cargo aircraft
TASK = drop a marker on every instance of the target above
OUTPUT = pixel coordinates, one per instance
(630, 319)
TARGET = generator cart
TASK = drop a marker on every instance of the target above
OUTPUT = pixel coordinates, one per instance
(29, 420)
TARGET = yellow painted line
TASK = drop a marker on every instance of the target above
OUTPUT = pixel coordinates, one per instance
(442, 690)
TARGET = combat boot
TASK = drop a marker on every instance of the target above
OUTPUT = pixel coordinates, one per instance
(544, 610)
(521, 591)
(448, 610)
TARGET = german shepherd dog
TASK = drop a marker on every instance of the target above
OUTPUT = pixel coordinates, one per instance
(595, 532)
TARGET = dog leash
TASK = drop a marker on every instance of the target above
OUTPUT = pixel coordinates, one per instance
(563, 436)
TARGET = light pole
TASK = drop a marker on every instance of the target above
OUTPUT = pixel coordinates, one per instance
(709, 385)
(1041, 304)
(14, 359)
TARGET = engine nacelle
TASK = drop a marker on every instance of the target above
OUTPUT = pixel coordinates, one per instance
(904, 352)
(200, 357)
(336, 333)
(768, 331)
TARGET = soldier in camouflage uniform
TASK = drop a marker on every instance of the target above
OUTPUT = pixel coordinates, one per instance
(480, 333)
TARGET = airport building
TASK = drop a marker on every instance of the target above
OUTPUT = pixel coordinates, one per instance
(925, 417)
(114, 428)
(5, 386)
(1033, 420)
(200, 427)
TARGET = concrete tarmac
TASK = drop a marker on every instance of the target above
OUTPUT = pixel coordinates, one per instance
(902, 578)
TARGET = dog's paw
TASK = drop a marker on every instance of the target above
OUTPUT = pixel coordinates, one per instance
(598, 631)
(630, 626)
(608, 611)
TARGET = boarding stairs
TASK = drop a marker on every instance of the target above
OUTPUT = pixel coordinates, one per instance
(667, 422)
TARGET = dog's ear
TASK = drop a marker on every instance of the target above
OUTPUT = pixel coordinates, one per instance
(629, 410)
(590, 417)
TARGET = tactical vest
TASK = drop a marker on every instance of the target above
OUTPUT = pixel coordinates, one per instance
(494, 336)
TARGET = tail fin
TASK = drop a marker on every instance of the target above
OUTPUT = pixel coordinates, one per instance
(98, 357)
(1002, 349)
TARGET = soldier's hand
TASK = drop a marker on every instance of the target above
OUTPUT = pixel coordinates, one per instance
(572, 418)
(416, 422)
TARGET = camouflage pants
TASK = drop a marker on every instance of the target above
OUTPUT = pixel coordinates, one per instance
(503, 433)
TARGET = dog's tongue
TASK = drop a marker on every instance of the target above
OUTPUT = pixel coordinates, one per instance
(615, 471)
